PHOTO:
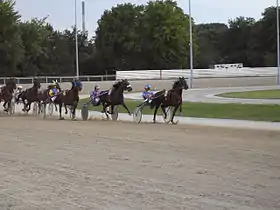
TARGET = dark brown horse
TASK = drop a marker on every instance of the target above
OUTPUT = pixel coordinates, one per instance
(6, 94)
(115, 96)
(69, 98)
(171, 98)
(30, 95)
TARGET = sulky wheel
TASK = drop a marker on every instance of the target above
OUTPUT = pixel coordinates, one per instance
(137, 114)
(35, 108)
(44, 109)
(12, 107)
(84, 112)
(50, 109)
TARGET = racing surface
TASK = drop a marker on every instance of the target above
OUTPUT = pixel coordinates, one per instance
(99, 165)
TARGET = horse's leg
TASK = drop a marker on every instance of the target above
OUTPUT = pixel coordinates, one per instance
(74, 110)
(180, 109)
(55, 107)
(155, 113)
(105, 105)
(173, 114)
(66, 111)
(4, 105)
(9, 104)
(39, 107)
(24, 105)
(124, 105)
(163, 110)
(60, 110)
(29, 106)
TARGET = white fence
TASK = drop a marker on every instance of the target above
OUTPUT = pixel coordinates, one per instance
(158, 74)
(197, 73)
(60, 79)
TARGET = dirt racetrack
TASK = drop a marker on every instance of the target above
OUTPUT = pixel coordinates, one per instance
(56, 165)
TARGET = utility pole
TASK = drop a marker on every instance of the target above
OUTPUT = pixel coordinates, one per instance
(191, 46)
(278, 44)
(76, 39)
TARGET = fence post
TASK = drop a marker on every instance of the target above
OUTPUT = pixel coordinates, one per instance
(160, 74)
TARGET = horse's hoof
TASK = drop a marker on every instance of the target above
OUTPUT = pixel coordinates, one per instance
(61, 118)
(154, 122)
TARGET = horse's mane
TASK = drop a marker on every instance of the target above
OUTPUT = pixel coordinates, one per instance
(176, 82)
(117, 84)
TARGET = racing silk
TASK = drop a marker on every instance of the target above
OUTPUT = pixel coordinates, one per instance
(53, 92)
(147, 94)
(94, 94)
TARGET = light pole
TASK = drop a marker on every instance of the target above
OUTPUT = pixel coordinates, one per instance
(278, 45)
(191, 46)
(76, 40)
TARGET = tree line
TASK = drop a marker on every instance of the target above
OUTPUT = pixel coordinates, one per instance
(132, 37)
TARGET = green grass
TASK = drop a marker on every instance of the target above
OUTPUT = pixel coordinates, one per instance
(260, 94)
(212, 110)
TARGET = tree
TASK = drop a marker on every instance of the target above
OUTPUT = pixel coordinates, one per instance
(236, 40)
(209, 39)
(11, 51)
(117, 37)
(36, 35)
(154, 36)
(165, 35)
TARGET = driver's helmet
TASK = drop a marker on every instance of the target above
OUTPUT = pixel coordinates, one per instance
(147, 87)
(19, 87)
(96, 87)
(54, 83)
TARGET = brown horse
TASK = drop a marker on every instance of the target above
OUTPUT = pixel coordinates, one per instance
(115, 97)
(6, 94)
(30, 95)
(171, 98)
(68, 98)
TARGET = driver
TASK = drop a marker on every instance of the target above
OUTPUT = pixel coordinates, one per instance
(147, 94)
(54, 90)
(95, 95)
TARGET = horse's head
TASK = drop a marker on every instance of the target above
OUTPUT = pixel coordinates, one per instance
(126, 85)
(77, 84)
(11, 84)
(36, 84)
(181, 83)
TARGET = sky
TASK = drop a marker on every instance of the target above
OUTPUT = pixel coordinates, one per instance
(61, 13)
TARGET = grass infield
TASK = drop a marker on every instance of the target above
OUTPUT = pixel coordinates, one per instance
(260, 94)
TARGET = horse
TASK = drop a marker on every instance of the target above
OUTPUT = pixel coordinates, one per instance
(170, 98)
(115, 96)
(30, 95)
(69, 98)
(6, 93)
